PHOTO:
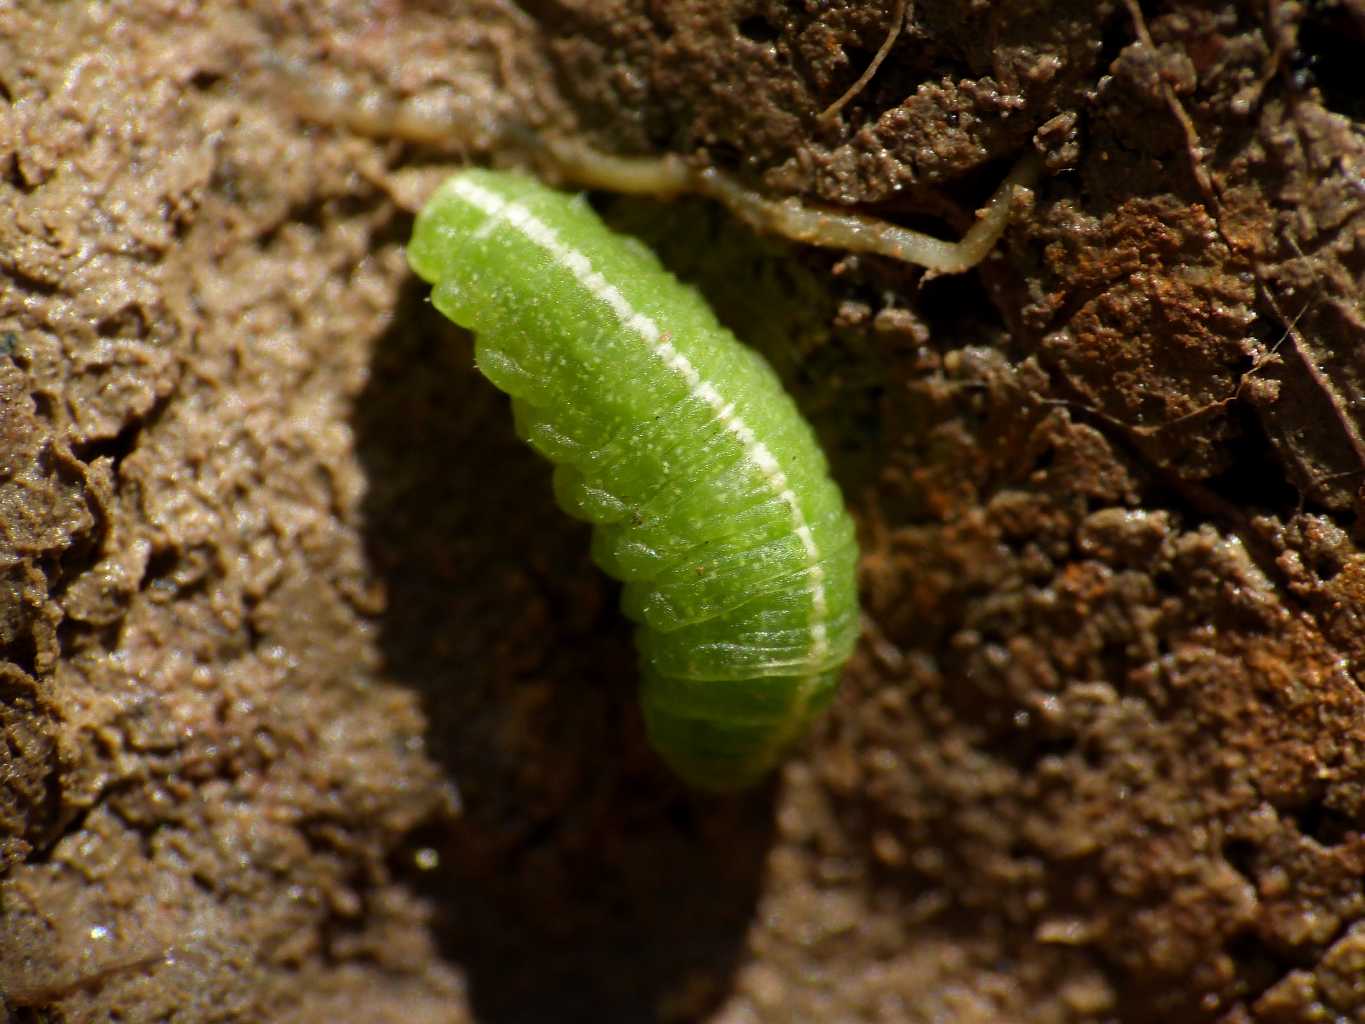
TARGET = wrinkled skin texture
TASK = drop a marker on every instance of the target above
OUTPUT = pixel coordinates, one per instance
(313, 705)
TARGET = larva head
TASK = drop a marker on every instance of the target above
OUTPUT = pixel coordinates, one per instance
(444, 252)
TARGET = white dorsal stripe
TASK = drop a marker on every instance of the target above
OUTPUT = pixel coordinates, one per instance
(756, 453)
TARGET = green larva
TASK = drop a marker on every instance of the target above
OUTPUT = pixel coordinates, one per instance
(710, 497)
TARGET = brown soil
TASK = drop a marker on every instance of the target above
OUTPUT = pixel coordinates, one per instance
(313, 707)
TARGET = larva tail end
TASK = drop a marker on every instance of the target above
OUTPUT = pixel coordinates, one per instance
(713, 756)
(712, 750)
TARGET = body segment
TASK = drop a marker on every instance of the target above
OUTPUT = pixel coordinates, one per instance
(709, 496)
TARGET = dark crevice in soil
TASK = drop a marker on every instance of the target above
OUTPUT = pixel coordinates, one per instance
(22, 652)
(758, 29)
(123, 443)
(1254, 482)
(1325, 826)
(1331, 39)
